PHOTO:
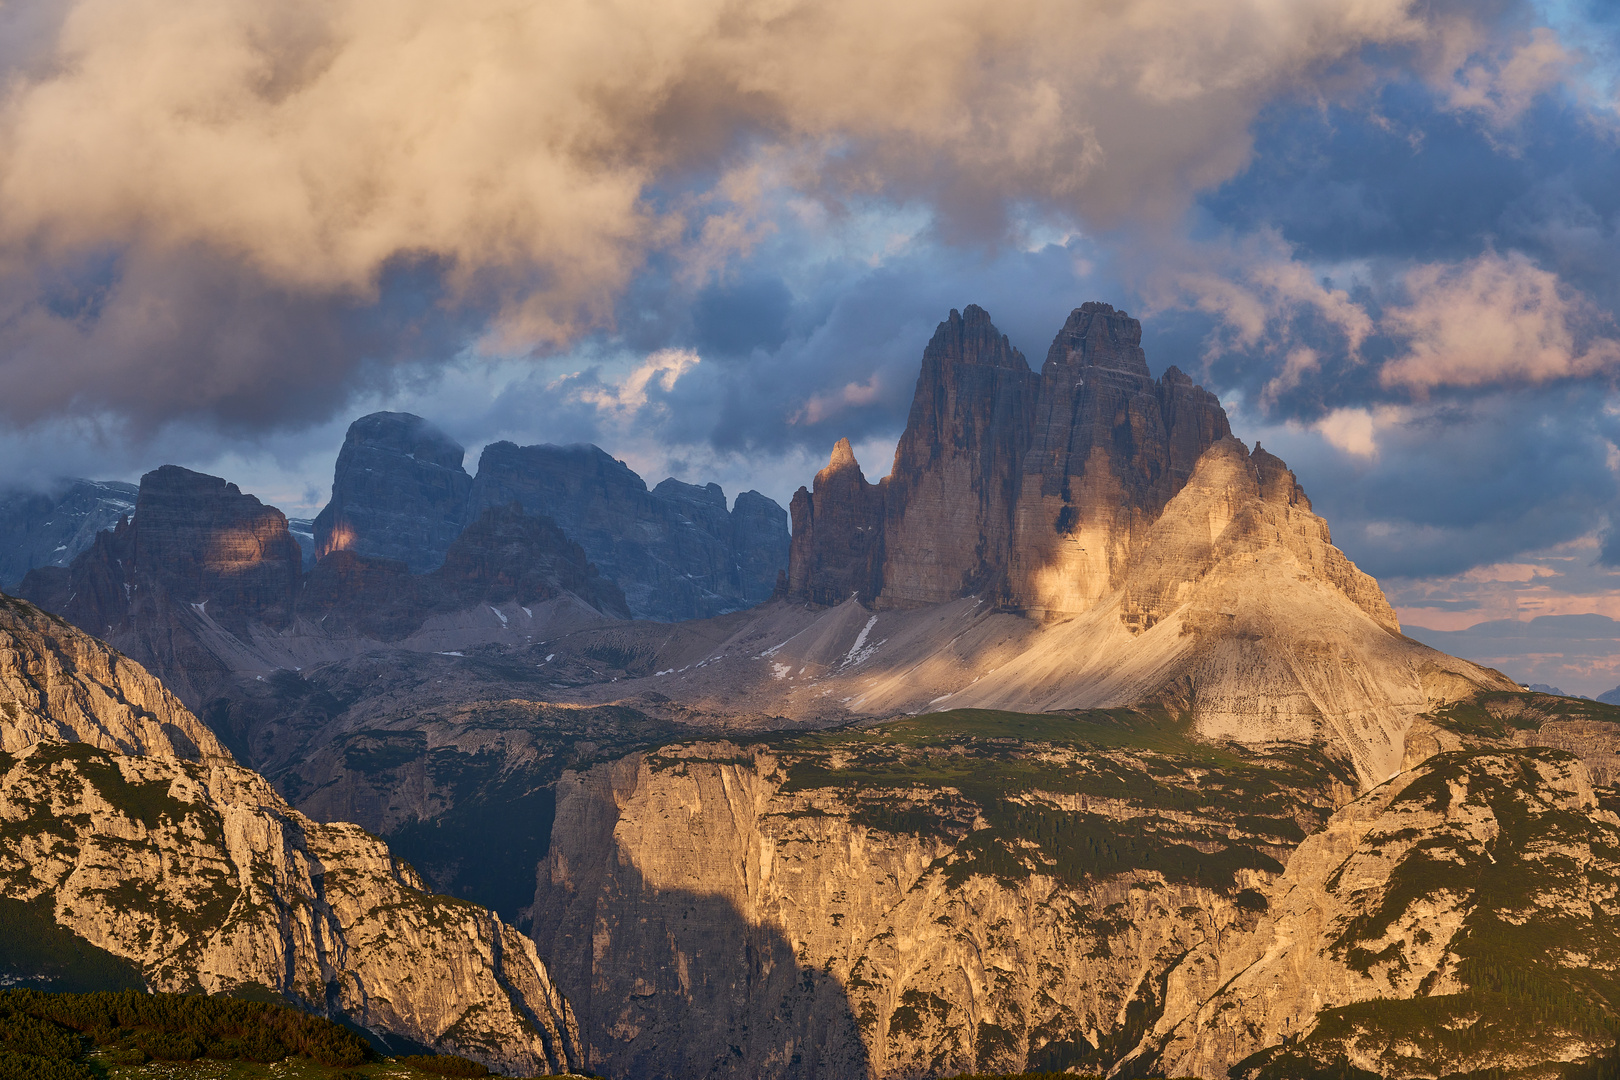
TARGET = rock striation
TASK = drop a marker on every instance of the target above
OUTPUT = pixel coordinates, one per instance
(951, 497)
(128, 825)
(1094, 893)
(398, 492)
(928, 898)
(51, 528)
(1110, 447)
(675, 551)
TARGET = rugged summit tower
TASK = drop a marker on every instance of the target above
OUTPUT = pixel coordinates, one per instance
(1032, 490)
(950, 498)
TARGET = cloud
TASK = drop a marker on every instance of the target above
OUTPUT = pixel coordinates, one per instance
(625, 400)
(1494, 319)
(1351, 430)
(537, 159)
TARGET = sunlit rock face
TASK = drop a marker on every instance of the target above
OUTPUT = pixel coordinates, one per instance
(398, 492)
(130, 833)
(1136, 551)
(1033, 491)
(199, 561)
(1110, 447)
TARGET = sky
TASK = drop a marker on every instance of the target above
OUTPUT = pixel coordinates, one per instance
(713, 237)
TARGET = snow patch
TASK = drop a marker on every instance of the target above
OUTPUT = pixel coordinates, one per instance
(860, 652)
(499, 614)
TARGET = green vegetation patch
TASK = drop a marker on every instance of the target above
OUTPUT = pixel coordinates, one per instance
(444, 1065)
(1530, 869)
(169, 1027)
(997, 787)
(1498, 714)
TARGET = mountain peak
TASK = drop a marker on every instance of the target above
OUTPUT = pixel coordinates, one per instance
(842, 460)
(407, 434)
(1096, 335)
(970, 337)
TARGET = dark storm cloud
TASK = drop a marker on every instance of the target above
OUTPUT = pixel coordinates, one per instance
(196, 338)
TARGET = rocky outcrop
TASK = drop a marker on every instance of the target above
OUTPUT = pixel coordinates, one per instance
(1094, 893)
(925, 899)
(1110, 447)
(39, 529)
(1034, 492)
(57, 684)
(760, 542)
(949, 502)
(674, 550)
(185, 582)
(1459, 919)
(837, 548)
(398, 492)
(125, 823)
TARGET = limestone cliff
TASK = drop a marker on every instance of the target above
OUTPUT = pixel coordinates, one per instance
(675, 550)
(1460, 918)
(506, 556)
(949, 894)
(183, 584)
(58, 684)
(990, 892)
(1110, 447)
(127, 824)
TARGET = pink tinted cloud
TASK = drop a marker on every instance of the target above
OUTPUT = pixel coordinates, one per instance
(1494, 319)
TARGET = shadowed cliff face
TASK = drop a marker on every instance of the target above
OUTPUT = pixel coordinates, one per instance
(505, 556)
(51, 529)
(675, 550)
(667, 962)
(942, 895)
(950, 498)
(398, 492)
(837, 547)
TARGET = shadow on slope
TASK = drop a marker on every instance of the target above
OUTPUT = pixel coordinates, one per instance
(678, 984)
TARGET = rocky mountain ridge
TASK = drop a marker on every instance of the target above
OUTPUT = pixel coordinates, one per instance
(51, 528)
(1088, 539)
(128, 826)
(399, 491)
